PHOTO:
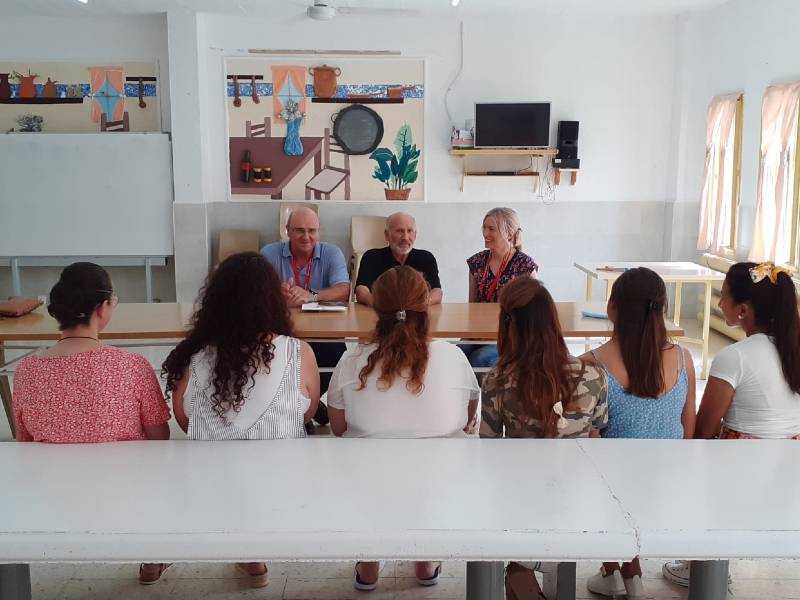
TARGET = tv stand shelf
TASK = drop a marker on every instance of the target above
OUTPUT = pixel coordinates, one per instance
(535, 154)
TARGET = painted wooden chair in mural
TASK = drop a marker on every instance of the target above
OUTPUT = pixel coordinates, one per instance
(258, 130)
(330, 177)
(113, 126)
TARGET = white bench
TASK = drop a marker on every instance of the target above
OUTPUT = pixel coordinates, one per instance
(342, 499)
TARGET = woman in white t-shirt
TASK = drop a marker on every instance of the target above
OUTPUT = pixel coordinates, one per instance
(402, 385)
(753, 388)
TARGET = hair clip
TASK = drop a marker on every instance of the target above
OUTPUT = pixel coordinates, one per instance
(401, 315)
(507, 317)
(80, 315)
(764, 270)
(558, 408)
(653, 305)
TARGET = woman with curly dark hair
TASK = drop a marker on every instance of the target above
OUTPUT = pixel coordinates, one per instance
(402, 384)
(239, 374)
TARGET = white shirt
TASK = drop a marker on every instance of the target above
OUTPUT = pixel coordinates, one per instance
(763, 403)
(440, 410)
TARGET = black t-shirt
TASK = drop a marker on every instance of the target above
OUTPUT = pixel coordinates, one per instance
(377, 261)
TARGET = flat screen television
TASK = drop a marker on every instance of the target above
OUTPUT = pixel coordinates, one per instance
(512, 125)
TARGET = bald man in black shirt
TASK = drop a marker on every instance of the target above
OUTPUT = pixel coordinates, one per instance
(400, 233)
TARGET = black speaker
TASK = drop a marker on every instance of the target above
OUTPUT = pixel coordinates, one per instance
(568, 139)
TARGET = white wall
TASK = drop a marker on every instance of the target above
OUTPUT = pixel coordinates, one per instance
(743, 46)
(615, 75)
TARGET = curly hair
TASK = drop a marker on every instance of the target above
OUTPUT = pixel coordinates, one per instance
(402, 342)
(241, 309)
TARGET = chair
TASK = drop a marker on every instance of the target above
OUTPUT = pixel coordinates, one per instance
(233, 241)
(365, 233)
(262, 130)
(330, 177)
(113, 126)
(286, 209)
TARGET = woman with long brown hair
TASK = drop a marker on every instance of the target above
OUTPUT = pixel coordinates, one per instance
(402, 384)
(536, 389)
(240, 374)
(651, 389)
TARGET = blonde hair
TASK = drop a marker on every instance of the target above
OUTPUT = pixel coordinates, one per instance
(507, 221)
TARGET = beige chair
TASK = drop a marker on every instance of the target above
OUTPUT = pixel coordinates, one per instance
(233, 241)
(286, 209)
(365, 233)
(330, 177)
(259, 130)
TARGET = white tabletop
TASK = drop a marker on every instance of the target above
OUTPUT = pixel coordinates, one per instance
(309, 499)
(669, 271)
(716, 499)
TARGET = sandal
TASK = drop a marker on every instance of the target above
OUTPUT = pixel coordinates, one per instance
(150, 577)
(256, 580)
(359, 584)
(521, 583)
(433, 579)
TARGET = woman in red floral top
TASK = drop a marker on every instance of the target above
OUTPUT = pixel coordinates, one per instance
(81, 391)
(491, 269)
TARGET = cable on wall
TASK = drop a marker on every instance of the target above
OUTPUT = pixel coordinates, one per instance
(457, 75)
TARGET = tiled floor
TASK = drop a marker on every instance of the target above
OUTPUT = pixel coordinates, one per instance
(333, 581)
(763, 580)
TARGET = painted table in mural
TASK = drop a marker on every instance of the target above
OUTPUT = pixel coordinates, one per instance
(268, 152)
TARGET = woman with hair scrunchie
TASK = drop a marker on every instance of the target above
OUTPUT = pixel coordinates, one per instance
(402, 384)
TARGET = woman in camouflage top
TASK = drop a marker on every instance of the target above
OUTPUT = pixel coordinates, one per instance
(537, 390)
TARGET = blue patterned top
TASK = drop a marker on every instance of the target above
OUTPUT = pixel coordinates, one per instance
(630, 416)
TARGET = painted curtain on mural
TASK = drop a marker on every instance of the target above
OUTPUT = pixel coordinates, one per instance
(288, 83)
(108, 93)
(717, 201)
(773, 227)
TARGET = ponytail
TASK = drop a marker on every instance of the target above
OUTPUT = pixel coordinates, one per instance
(771, 294)
(787, 330)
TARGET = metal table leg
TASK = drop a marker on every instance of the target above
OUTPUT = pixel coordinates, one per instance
(15, 582)
(559, 581)
(485, 581)
(708, 580)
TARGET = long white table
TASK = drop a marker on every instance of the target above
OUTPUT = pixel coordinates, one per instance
(451, 499)
(671, 272)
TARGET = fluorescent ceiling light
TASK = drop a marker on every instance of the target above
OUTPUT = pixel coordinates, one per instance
(84, 1)
(453, 2)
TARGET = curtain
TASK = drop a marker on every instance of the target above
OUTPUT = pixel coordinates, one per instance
(717, 201)
(97, 79)
(776, 171)
(280, 76)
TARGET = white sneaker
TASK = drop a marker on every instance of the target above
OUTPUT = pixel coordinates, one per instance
(606, 585)
(676, 571)
(634, 587)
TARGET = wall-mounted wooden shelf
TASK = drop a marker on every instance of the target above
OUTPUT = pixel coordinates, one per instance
(503, 152)
(358, 100)
(534, 170)
(39, 100)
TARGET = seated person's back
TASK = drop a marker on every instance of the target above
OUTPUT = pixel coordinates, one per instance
(79, 390)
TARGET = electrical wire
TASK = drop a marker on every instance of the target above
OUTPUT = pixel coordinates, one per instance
(457, 75)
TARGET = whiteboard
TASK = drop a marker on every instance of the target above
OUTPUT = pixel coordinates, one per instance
(86, 194)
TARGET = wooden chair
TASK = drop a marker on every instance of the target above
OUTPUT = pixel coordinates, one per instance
(330, 177)
(286, 209)
(365, 233)
(233, 241)
(112, 126)
(259, 130)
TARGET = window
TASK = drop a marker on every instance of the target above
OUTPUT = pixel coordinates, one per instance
(777, 221)
(720, 198)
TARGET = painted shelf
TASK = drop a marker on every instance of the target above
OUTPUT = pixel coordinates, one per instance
(39, 100)
(358, 100)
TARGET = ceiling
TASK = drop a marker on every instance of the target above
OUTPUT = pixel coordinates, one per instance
(67, 8)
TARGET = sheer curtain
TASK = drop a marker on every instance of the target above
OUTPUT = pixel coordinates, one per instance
(772, 238)
(717, 201)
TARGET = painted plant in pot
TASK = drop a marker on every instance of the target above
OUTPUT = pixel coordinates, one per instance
(397, 171)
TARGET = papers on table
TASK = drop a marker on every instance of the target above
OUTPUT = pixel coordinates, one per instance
(324, 307)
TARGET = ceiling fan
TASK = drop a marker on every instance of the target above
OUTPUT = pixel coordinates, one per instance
(322, 10)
